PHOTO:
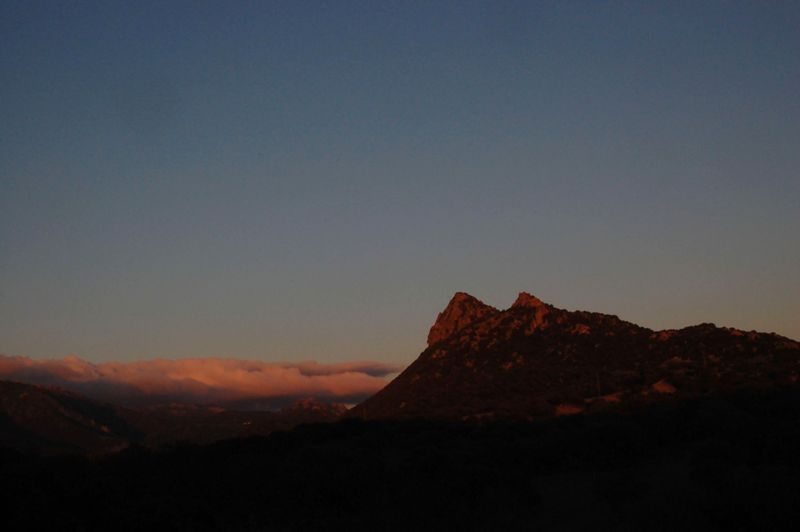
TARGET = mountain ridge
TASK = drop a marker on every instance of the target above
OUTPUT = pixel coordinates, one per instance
(534, 360)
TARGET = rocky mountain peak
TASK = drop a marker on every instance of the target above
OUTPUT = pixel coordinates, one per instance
(462, 310)
(526, 300)
(535, 360)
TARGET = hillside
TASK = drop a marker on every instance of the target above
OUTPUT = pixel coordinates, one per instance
(50, 420)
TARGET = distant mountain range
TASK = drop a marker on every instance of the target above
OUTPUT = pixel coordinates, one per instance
(534, 360)
(531, 361)
(50, 420)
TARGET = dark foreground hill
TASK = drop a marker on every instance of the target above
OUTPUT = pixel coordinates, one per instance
(534, 361)
(727, 463)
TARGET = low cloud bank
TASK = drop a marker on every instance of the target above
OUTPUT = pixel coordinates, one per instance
(221, 381)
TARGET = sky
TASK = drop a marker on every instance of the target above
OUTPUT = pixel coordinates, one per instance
(295, 181)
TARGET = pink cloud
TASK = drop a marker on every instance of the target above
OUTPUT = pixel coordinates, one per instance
(204, 381)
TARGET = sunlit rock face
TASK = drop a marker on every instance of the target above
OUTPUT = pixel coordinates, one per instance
(526, 300)
(532, 359)
(462, 310)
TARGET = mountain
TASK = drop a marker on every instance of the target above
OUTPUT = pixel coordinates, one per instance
(530, 361)
(693, 429)
(534, 360)
(50, 420)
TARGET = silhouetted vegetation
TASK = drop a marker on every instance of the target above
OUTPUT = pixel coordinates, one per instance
(716, 463)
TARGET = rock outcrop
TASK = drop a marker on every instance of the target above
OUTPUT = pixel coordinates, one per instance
(462, 310)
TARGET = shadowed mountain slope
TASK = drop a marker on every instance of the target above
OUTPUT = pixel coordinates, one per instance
(50, 420)
(534, 360)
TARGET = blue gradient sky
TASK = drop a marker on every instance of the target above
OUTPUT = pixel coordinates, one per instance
(298, 180)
